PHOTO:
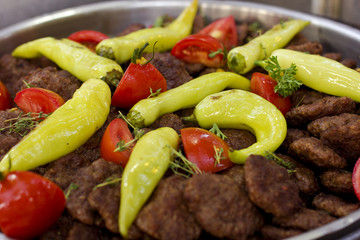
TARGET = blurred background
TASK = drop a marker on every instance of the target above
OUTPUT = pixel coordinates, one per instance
(347, 11)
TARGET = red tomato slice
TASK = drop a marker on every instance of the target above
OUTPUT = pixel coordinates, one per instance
(116, 131)
(196, 49)
(87, 36)
(38, 100)
(356, 178)
(30, 204)
(199, 149)
(263, 85)
(223, 29)
(136, 84)
(5, 98)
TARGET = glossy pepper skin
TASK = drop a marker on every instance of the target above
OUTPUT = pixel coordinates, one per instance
(244, 110)
(242, 59)
(66, 129)
(146, 111)
(321, 73)
(72, 57)
(148, 162)
(122, 48)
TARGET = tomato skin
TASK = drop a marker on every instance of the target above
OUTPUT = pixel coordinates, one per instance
(356, 179)
(117, 130)
(38, 100)
(87, 36)
(263, 85)
(136, 83)
(199, 149)
(223, 29)
(30, 204)
(5, 98)
(196, 49)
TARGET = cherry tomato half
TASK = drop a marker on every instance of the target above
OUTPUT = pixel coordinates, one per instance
(87, 36)
(201, 146)
(5, 98)
(116, 131)
(196, 48)
(223, 29)
(356, 178)
(30, 204)
(38, 100)
(137, 83)
(263, 85)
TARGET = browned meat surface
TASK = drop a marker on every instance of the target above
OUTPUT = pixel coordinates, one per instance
(303, 176)
(327, 106)
(8, 139)
(63, 171)
(168, 120)
(59, 81)
(305, 96)
(341, 133)
(60, 229)
(171, 68)
(239, 139)
(309, 47)
(292, 135)
(242, 33)
(86, 179)
(333, 56)
(236, 173)
(221, 207)
(334, 205)
(312, 151)
(337, 181)
(12, 69)
(270, 186)
(82, 231)
(350, 63)
(274, 232)
(166, 215)
(304, 219)
(199, 23)
(131, 28)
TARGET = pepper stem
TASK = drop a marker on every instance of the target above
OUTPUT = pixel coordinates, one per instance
(137, 57)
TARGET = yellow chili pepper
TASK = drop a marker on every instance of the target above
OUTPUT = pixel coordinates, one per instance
(72, 57)
(122, 48)
(244, 110)
(242, 59)
(148, 162)
(146, 111)
(321, 73)
(66, 129)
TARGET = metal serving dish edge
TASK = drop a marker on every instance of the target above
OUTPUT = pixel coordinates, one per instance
(111, 17)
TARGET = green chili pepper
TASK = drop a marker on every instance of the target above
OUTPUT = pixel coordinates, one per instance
(242, 59)
(148, 162)
(146, 111)
(321, 73)
(72, 57)
(244, 110)
(122, 48)
(66, 129)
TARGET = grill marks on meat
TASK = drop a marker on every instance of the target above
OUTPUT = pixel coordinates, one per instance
(166, 215)
(334, 205)
(311, 150)
(270, 186)
(327, 106)
(221, 207)
(86, 179)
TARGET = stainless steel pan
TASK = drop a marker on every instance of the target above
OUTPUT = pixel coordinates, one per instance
(112, 17)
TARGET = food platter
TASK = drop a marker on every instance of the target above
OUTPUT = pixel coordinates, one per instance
(112, 17)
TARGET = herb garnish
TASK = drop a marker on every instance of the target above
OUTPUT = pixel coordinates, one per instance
(288, 165)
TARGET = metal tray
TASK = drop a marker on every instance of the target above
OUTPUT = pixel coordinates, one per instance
(111, 17)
